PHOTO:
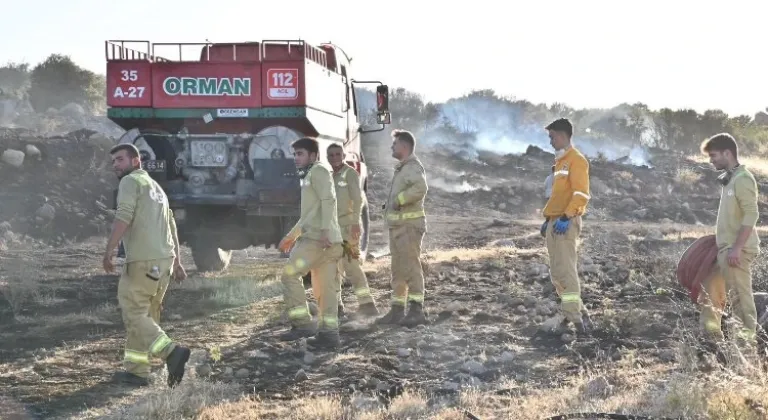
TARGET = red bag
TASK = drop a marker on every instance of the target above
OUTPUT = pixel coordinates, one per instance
(696, 264)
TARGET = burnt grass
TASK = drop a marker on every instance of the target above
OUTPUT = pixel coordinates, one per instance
(486, 301)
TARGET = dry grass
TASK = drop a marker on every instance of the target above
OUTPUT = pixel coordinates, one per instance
(687, 176)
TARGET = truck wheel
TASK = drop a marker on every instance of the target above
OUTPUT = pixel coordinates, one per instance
(209, 257)
(365, 234)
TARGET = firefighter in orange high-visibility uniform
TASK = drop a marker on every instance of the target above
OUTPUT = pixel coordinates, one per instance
(562, 227)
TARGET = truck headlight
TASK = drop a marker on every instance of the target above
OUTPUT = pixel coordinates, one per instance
(208, 153)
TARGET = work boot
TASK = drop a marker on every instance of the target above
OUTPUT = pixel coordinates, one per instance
(585, 327)
(393, 317)
(325, 340)
(175, 363)
(127, 378)
(296, 333)
(415, 316)
(367, 310)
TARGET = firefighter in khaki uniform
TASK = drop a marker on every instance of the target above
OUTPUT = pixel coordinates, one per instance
(349, 199)
(737, 243)
(318, 248)
(562, 227)
(145, 223)
(407, 225)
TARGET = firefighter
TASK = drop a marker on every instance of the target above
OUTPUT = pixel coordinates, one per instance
(349, 199)
(737, 243)
(562, 225)
(407, 224)
(145, 224)
(318, 248)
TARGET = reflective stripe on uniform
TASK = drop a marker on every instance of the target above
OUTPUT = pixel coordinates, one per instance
(562, 172)
(416, 297)
(406, 215)
(570, 297)
(137, 357)
(160, 343)
(299, 312)
(362, 292)
(747, 334)
(330, 321)
(296, 267)
(398, 300)
(581, 194)
(712, 326)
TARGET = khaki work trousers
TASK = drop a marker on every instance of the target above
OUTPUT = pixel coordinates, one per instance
(563, 268)
(734, 284)
(308, 255)
(353, 270)
(140, 299)
(407, 275)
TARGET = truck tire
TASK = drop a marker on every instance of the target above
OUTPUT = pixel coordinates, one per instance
(209, 257)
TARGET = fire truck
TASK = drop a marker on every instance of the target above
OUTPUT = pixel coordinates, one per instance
(214, 127)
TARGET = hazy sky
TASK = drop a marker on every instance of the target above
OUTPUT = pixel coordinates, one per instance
(675, 53)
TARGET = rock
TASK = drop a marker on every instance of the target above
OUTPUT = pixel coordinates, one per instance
(552, 324)
(33, 151)
(309, 358)
(228, 372)
(204, 370)
(473, 367)
(13, 157)
(507, 357)
(301, 376)
(242, 373)
(403, 352)
(46, 213)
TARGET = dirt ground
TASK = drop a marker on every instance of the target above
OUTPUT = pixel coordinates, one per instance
(488, 294)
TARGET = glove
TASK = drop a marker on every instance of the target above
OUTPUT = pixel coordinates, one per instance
(561, 225)
(544, 228)
(350, 251)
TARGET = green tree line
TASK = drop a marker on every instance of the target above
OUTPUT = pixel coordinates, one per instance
(484, 112)
(53, 83)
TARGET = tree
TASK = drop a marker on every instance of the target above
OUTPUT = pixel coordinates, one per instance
(58, 81)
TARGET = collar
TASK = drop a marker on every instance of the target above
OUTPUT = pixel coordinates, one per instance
(302, 172)
(725, 177)
(559, 154)
(402, 163)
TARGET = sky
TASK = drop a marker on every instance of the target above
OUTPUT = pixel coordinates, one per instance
(586, 53)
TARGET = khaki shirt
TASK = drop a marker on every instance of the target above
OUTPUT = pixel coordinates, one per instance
(143, 205)
(349, 195)
(318, 206)
(409, 189)
(738, 208)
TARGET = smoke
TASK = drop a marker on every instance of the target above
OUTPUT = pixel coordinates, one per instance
(487, 123)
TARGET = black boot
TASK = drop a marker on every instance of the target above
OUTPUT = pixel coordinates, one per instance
(296, 333)
(415, 316)
(394, 316)
(175, 363)
(367, 310)
(325, 340)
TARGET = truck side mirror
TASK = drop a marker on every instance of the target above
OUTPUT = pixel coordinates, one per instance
(382, 105)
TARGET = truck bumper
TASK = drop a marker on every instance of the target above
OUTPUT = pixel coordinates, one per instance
(250, 205)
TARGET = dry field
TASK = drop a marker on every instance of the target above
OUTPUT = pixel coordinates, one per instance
(483, 354)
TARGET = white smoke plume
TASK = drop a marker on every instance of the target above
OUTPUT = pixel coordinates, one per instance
(490, 124)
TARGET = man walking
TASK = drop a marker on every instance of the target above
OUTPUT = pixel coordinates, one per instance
(737, 243)
(318, 248)
(407, 224)
(145, 223)
(349, 199)
(562, 227)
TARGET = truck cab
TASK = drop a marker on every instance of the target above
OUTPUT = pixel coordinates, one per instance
(214, 128)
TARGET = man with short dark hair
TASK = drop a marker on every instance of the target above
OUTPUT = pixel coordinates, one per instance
(318, 248)
(737, 242)
(145, 223)
(562, 225)
(349, 199)
(407, 224)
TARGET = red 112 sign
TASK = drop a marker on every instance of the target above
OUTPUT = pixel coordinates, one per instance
(282, 83)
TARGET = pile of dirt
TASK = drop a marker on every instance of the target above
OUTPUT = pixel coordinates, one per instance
(54, 189)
